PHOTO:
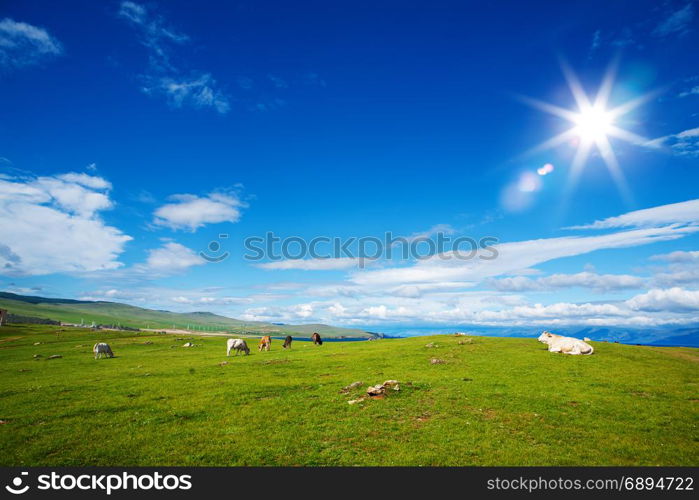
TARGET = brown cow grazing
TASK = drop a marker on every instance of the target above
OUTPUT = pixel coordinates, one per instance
(316, 339)
(287, 342)
(265, 343)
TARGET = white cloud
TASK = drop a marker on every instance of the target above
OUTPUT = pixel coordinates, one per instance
(188, 211)
(514, 256)
(558, 311)
(76, 197)
(682, 269)
(153, 32)
(685, 143)
(172, 258)
(692, 91)
(167, 260)
(164, 78)
(673, 299)
(53, 225)
(197, 92)
(171, 298)
(433, 231)
(22, 44)
(330, 264)
(677, 22)
(686, 212)
(663, 307)
(210, 301)
(596, 41)
(678, 256)
(133, 12)
(597, 282)
(86, 180)
(677, 275)
(418, 290)
(439, 291)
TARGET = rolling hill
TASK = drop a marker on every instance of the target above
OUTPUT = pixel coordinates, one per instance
(115, 313)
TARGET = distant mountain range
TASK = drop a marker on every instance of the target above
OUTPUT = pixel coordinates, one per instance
(124, 315)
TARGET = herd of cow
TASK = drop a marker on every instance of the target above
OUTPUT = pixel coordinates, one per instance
(237, 345)
(556, 343)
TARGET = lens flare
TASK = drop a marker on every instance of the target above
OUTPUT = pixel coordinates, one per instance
(528, 183)
(545, 170)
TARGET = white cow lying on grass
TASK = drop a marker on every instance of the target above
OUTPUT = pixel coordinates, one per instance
(566, 345)
(238, 345)
(102, 348)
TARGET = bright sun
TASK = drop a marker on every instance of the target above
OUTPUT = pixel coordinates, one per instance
(593, 123)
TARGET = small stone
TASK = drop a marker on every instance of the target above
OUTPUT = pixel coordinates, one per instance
(350, 387)
(376, 390)
(435, 361)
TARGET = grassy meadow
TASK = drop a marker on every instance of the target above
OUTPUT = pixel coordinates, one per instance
(493, 401)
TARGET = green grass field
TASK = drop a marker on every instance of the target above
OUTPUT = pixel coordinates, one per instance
(494, 401)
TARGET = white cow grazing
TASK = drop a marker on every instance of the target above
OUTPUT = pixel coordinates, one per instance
(566, 345)
(237, 344)
(102, 348)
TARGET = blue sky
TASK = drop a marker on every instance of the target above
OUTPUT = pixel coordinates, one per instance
(133, 134)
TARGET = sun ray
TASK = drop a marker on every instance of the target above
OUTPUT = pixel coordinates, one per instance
(553, 142)
(576, 88)
(581, 156)
(550, 108)
(593, 123)
(609, 157)
(622, 109)
(626, 135)
(605, 88)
